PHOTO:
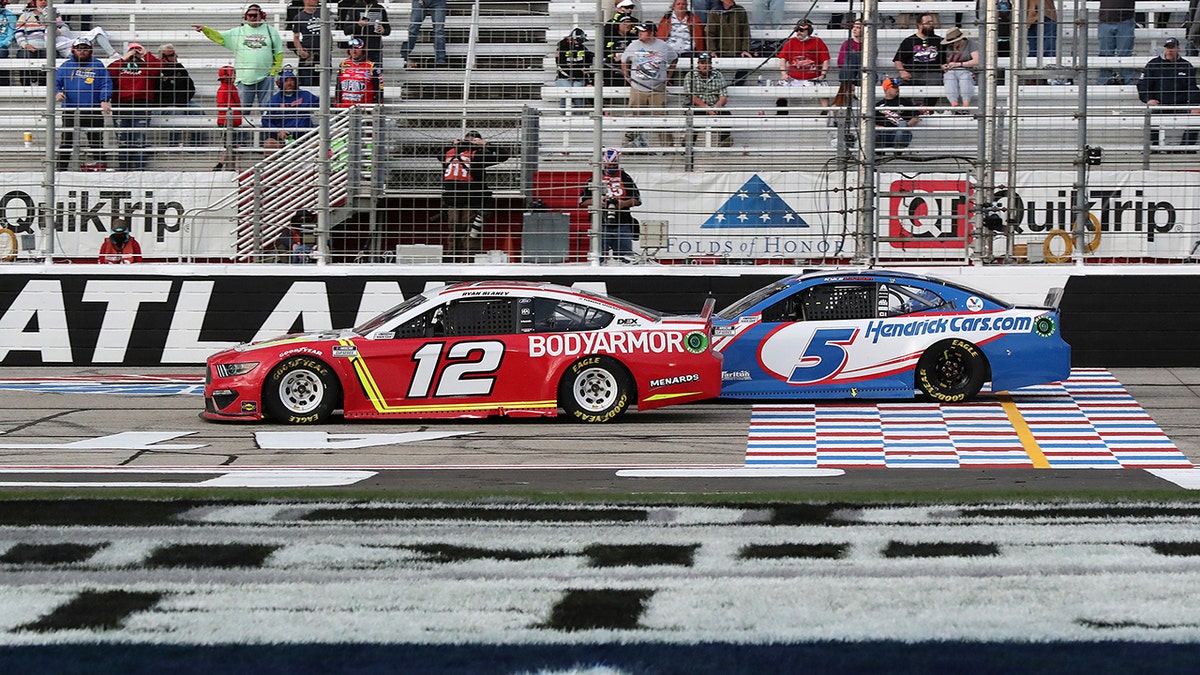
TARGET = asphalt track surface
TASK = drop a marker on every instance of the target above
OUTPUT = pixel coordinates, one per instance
(115, 437)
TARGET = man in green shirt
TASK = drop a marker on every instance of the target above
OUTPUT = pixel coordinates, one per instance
(257, 55)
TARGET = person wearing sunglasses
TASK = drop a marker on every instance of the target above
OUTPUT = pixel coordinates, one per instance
(257, 55)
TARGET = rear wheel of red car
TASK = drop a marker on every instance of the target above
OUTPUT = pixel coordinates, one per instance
(595, 389)
(951, 371)
(301, 390)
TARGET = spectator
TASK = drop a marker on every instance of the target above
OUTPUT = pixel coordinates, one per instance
(175, 89)
(257, 54)
(681, 29)
(701, 7)
(1192, 25)
(623, 8)
(573, 62)
(919, 58)
(727, 33)
(30, 34)
(769, 12)
(436, 11)
(647, 64)
(620, 195)
(8, 32)
(1041, 18)
(962, 58)
(1115, 34)
(305, 24)
(805, 58)
(229, 114)
(893, 116)
(135, 82)
(465, 193)
(289, 111)
(850, 56)
(120, 247)
(1170, 80)
(358, 79)
(367, 20)
(85, 20)
(290, 242)
(84, 89)
(708, 92)
(618, 34)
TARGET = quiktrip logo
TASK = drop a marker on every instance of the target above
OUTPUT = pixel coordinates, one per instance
(929, 213)
(754, 205)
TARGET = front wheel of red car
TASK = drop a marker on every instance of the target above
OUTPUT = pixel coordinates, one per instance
(951, 371)
(595, 389)
(301, 390)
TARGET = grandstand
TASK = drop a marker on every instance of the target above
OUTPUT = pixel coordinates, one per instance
(375, 176)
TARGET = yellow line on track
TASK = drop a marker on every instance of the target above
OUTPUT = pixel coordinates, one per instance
(1023, 432)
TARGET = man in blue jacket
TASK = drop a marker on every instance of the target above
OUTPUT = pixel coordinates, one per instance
(289, 111)
(84, 90)
(1169, 80)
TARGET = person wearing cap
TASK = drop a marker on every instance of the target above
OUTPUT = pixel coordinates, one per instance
(289, 111)
(618, 34)
(367, 20)
(1169, 81)
(84, 90)
(573, 62)
(120, 247)
(893, 116)
(359, 82)
(620, 195)
(466, 196)
(708, 92)
(961, 60)
(918, 59)
(681, 29)
(257, 54)
(135, 86)
(623, 8)
(647, 64)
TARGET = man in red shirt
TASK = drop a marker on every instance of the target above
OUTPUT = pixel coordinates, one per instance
(358, 78)
(805, 57)
(135, 78)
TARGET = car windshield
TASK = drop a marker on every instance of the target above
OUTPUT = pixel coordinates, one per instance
(637, 309)
(736, 309)
(377, 322)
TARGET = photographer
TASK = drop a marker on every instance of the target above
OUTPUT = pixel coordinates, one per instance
(620, 195)
(465, 194)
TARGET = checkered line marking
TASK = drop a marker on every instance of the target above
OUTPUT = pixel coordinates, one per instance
(1087, 422)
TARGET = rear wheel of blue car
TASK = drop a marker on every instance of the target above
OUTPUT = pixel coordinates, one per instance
(951, 371)
(595, 389)
(301, 390)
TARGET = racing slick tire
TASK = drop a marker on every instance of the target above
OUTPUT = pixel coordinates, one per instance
(595, 389)
(301, 390)
(951, 371)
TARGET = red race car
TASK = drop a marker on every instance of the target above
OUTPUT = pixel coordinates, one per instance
(472, 350)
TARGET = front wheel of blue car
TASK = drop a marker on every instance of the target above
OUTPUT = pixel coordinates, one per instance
(951, 371)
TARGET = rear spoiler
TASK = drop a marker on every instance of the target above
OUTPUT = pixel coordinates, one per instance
(1053, 298)
(707, 310)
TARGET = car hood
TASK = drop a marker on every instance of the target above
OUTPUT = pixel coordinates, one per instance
(315, 336)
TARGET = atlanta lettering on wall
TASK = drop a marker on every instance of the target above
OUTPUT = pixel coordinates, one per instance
(159, 319)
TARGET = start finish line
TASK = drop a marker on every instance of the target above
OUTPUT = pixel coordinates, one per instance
(1087, 422)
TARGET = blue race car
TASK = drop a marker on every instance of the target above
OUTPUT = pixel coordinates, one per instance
(884, 334)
